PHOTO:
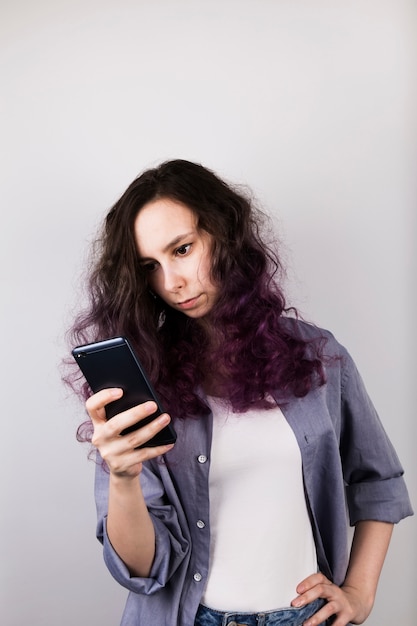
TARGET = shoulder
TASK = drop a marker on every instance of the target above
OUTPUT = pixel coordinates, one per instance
(337, 362)
(310, 333)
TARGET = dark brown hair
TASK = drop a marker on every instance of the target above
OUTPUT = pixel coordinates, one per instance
(256, 353)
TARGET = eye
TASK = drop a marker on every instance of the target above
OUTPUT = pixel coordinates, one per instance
(150, 267)
(183, 250)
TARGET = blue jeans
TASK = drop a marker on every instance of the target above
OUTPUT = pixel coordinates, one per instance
(283, 617)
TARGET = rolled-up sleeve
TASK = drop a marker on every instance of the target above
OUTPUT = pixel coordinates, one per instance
(375, 488)
(171, 546)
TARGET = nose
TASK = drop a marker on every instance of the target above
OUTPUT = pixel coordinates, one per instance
(173, 280)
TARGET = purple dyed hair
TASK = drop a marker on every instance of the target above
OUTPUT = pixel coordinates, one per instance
(255, 352)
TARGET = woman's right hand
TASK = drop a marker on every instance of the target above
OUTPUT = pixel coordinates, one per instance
(122, 454)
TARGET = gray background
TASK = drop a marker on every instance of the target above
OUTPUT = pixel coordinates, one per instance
(311, 105)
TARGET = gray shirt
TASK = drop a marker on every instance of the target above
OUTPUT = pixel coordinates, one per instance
(350, 469)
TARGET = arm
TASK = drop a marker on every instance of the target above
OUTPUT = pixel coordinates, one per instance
(129, 526)
(369, 548)
(353, 601)
(376, 497)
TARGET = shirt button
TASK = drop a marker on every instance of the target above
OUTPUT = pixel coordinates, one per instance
(202, 458)
(197, 577)
(200, 523)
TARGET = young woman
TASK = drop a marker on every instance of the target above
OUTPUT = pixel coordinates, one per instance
(243, 520)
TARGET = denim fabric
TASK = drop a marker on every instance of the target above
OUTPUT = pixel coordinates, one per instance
(283, 617)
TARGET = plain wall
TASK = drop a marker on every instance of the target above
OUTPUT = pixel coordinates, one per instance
(308, 103)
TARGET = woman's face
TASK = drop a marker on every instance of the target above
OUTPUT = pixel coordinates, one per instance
(176, 255)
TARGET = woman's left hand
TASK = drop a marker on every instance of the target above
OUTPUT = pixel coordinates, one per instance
(353, 601)
(343, 602)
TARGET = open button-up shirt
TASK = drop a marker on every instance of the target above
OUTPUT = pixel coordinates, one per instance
(348, 464)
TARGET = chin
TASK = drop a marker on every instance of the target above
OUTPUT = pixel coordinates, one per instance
(195, 314)
(198, 313)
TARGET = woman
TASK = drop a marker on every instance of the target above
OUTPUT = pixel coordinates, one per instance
(243, 521)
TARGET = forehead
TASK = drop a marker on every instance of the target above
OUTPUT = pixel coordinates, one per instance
(161, 222)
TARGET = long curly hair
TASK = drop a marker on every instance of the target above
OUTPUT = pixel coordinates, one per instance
(256, 353)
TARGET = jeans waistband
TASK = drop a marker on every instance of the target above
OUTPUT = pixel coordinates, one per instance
(283, 617)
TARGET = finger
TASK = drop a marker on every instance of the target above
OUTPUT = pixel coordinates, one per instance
(311, 581)
(322, 589)
(96, 403)
(335, 604)
(335, 609)
(130, 462)
(125, 455)
(143, 434)
(320, 617)
(122, 421)
(154, 451)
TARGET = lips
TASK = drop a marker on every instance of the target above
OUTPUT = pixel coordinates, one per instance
(188, 304)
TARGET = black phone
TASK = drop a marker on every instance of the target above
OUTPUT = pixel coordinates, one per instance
(113, 363)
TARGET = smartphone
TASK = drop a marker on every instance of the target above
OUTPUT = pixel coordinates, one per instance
(113, 363)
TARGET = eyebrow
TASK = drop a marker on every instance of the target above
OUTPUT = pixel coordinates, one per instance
(174, 242)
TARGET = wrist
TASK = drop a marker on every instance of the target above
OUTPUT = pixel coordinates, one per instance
(361, 599)
(124, 482)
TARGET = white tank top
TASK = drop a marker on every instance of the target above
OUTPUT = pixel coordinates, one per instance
(262, 542)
